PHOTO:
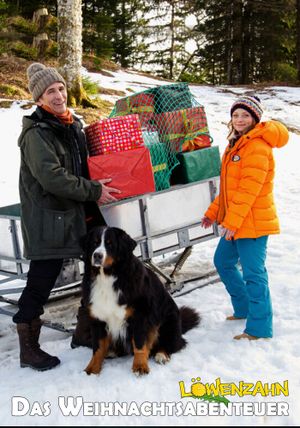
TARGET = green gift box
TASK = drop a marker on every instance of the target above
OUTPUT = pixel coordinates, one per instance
(160, 165)
(197, 165)
(176, 96)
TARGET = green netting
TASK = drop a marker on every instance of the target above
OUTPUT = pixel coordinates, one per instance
(171, 119)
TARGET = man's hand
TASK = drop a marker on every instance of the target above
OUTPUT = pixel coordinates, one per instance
(106, 196)
(206, 222)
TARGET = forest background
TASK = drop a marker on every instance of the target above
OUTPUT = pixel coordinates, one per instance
(198, 41)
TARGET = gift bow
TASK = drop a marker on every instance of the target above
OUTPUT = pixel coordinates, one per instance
(197, 142)
(194, 140)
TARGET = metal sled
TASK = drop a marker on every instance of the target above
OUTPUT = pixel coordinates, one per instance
(160, 222)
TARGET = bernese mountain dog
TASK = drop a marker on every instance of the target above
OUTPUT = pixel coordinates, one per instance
(130, 308)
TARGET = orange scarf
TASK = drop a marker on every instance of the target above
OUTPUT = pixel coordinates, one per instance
(66, 118)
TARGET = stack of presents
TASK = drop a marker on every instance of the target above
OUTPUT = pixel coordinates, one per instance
(152, 140)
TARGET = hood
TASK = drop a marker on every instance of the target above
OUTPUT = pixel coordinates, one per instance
(272, 132)
(42, 119)
(27, 123)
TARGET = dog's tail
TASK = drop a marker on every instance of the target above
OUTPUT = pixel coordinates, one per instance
(189, 318)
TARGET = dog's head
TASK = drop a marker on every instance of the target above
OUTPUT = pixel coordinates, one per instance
(105, 246)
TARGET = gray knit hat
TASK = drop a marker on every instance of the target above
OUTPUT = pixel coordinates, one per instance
(40, 78)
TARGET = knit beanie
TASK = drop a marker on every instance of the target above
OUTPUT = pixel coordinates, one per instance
(40, 78)
(251, 104)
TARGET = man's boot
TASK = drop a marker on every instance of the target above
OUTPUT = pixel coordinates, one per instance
(30, 353)
(35, 327)
(82, 335)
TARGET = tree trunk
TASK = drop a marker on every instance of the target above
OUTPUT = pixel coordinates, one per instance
(228, 46)
(172, 47)
(41, 40)
(245, 77)
(237, 37)
(298, 37)
(70, 49)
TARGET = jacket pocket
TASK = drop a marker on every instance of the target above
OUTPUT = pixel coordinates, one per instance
(53, 228)
(61, 229)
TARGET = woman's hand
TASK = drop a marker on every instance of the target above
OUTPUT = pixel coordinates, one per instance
(206, 222)
(227, 233)
(106, 196)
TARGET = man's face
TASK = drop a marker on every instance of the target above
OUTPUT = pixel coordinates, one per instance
(55, 97)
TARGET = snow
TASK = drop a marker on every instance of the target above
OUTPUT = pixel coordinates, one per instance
(211, 352)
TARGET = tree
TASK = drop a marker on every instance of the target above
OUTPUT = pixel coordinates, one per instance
(298, 38)
(26, 8)
(98, 27)
(70, 49)
(244, 39)
(169, 34)
(129, 20)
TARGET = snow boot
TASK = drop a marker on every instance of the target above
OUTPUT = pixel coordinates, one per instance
(233, 318)
(246, 336)
(82, 335)
(30, 353)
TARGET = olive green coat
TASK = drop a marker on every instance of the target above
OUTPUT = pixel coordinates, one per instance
(52, 196)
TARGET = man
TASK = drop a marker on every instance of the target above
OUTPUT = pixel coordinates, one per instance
(57, 199)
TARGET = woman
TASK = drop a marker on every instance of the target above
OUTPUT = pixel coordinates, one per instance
(246, 212)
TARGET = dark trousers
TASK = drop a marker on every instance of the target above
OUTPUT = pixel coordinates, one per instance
(41, 279)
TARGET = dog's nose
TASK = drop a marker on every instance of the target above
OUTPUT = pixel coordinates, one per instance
(97, 258)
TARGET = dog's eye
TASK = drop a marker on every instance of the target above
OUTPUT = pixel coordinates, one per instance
(108, 243)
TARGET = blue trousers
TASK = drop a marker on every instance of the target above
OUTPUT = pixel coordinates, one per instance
(249, 290)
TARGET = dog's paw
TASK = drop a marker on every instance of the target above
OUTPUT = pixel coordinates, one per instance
(92, 369)
(162, 357)
(140, 369)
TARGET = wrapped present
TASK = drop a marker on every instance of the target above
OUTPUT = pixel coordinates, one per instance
(115, 134)
(184, 128)
(172, 97)
(197, 165)
(150, 137)
(142, 102)
(160, 165)
(130, 171)
(192, 143)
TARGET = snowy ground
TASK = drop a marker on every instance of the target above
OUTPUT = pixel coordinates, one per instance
(211, 352)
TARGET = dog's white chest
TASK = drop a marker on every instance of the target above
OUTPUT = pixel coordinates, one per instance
(105, 307)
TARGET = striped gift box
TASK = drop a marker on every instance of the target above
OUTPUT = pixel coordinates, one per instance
(177, 127)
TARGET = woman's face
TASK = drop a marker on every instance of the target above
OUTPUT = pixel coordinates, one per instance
(242, 121)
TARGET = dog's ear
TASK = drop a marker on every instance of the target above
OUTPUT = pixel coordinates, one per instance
(131, 243)
(125, 241)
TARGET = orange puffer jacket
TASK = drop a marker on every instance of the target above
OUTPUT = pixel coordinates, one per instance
(245, 203)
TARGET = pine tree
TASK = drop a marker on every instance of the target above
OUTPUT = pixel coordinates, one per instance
(169, 34)
(298, 37)
(98, 27)
(244, 39)
(25, 8)
(129, 28)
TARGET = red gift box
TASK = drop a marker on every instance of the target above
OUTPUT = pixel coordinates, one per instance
(138, 103)
(141, 104)
(130, 171)
(115, 134)
(177, 127)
